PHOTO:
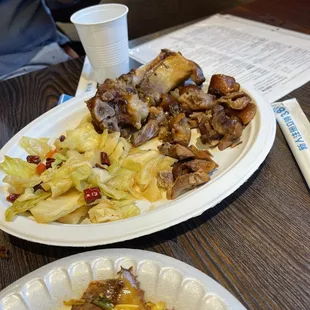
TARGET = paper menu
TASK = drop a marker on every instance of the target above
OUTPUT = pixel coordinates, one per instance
(272, 60)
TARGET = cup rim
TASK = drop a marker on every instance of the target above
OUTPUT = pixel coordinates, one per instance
(74, 16)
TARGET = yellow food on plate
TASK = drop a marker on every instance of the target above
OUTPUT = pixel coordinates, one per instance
(120, 293)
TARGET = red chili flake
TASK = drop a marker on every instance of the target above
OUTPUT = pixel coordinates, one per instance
(4, 252)
(92, 194)
(62, 138)
(49, 162)
(12, 197)
(105, 159)
(33, 159)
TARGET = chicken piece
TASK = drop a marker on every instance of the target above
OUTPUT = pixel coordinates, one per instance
(245, 115)
(151, 128)
(200, 154)
(236, 100)
(176, 151)
(222, 85)
(192, 98)
(169, 71)
(186, 182)
(179, 130)
(165, 179)
(116, 104)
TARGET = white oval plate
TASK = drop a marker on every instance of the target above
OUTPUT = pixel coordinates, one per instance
(161, 277)
(235, 167)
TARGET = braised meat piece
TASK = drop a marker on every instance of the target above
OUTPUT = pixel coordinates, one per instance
(192, 98)
(198, 116)
(125, 101)
(176, 151)
(193, 123)
(200, 154)
(170, 104)
(181, 152)
(151, 128)
(179, 130)
(236, 100)
(232, 136)
(186, 182)
(245, 115)
(106, 293)
(189, 174)
(185, 167)
(208, 135)
(222, 85)
(115, 104)
(110, 289)
(165, 179)
(170, 70)
(229, 127)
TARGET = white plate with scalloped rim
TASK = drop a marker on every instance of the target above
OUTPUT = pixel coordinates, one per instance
(235, 167)
(161, 277)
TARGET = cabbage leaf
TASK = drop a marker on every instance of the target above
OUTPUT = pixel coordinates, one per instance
(25, 202)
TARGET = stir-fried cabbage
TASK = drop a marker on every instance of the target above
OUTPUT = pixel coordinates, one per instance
(17, 167)
(104, 212)
(25, 202)
(19, 184)
(55, 191)
(75, 216)
(83, 138)
(51, 209)
(33, 146)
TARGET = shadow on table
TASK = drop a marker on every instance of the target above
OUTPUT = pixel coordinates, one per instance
(144, 243)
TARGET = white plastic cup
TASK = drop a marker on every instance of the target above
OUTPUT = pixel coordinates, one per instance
(104, 35)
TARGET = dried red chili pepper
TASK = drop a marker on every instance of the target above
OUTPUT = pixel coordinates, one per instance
(48, 162)
(62, 138)
(92, 194)
(33, 159)
(105, 159)
(12, 197)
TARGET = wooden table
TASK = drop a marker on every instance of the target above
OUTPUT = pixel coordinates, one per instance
(255, 243)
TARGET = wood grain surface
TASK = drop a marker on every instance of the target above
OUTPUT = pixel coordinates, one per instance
(255, 243)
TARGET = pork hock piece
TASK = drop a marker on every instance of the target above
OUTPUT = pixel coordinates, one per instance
(125, 101)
